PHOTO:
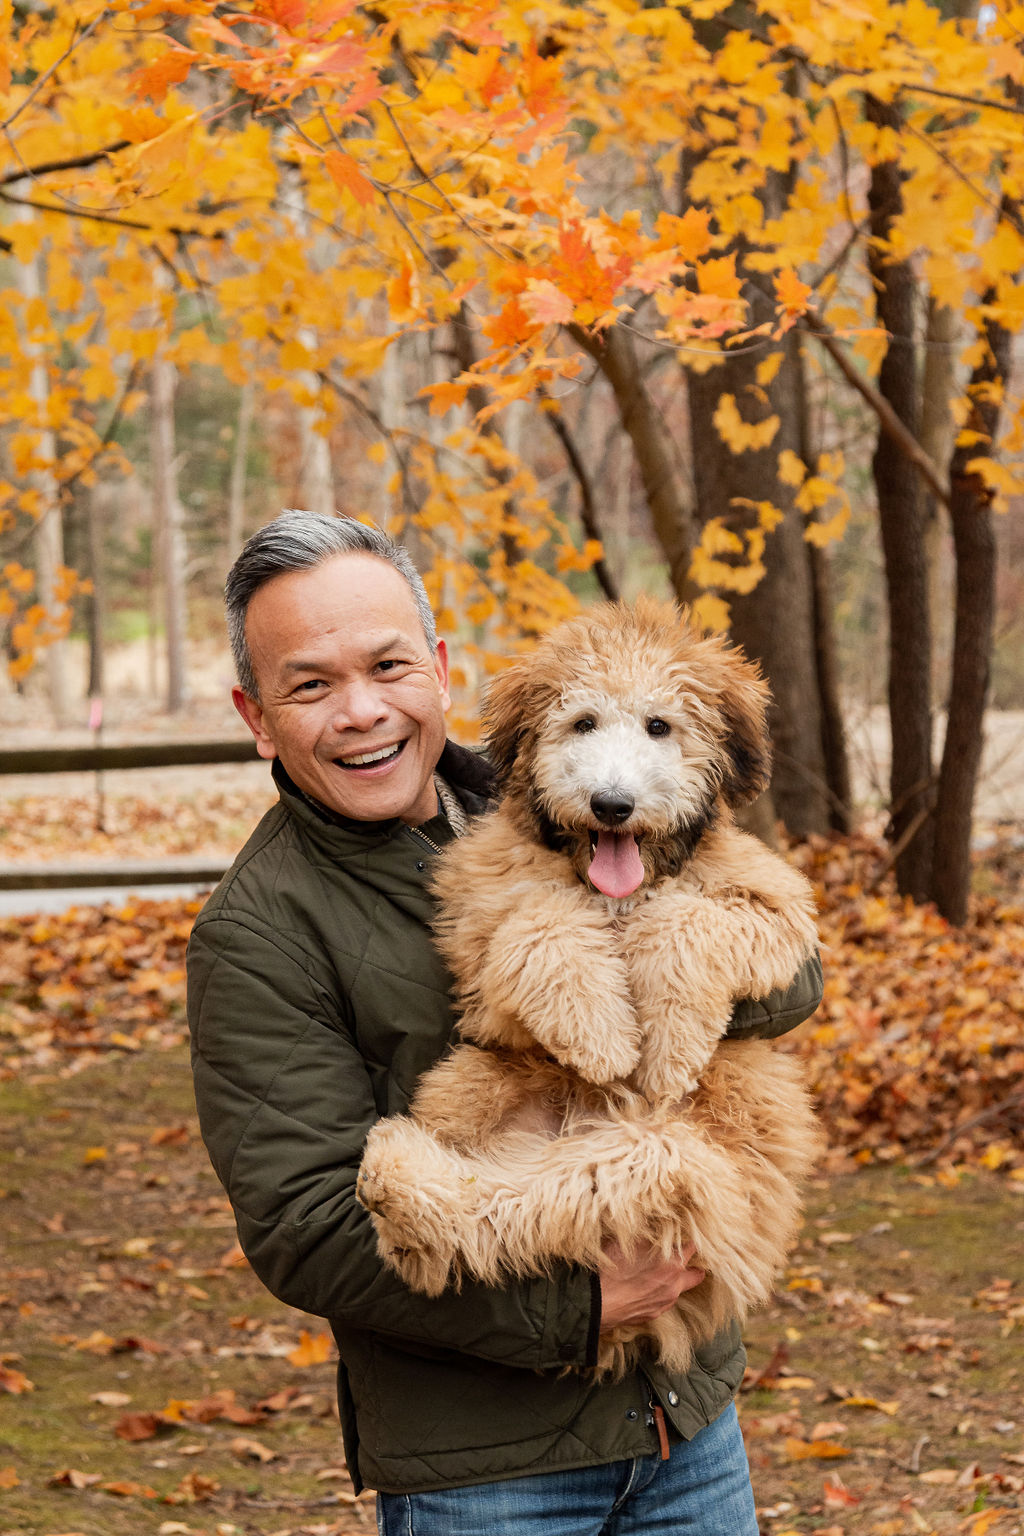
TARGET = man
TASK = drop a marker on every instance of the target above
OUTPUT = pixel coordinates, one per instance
(316, 1000)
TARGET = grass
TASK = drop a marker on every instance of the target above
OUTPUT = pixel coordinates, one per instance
(119, 1276)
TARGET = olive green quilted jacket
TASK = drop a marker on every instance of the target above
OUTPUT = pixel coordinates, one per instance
(315, 1001)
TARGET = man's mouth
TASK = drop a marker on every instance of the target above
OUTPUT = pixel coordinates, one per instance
(616, 868)
(370, 759)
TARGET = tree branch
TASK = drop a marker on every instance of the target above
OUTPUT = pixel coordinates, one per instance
(887, 417)
(181, 232)
(588, 512)
(77, 39)
(76, 162)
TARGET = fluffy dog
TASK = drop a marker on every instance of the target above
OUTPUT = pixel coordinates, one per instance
(599, 926)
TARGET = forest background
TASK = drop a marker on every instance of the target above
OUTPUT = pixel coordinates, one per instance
(722, 302)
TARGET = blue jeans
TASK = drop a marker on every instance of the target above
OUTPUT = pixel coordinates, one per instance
(702, 1490)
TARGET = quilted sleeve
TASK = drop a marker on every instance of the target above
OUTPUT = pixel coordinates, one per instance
(765, 1018)
(285, 1103)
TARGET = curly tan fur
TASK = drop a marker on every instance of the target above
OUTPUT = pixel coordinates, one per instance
(593, 1098)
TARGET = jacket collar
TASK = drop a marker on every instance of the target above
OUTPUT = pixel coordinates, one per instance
(470, 775)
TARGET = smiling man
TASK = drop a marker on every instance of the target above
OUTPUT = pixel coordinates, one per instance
(352, 691)
(316, 1001)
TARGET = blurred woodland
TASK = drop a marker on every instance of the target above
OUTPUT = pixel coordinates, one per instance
(577, 299)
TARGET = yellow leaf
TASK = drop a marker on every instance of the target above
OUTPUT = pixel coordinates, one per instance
(792, 293)
(712, 613)
(94, 1155)
(792, 469)
(767, 370)
(8, 1477)
(311, 1349)
(870, 1402)
(348, 176)
(25, 239)
(739, 435)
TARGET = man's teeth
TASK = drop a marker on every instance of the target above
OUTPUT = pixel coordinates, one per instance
(363, 758)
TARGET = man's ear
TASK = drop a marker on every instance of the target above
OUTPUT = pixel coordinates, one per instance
(252, 713)
(441, 668)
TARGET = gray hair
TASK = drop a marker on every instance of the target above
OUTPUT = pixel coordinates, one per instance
(298, 541)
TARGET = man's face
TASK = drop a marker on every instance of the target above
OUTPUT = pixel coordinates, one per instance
(351, 699)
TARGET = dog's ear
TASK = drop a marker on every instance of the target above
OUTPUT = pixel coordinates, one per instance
(506, 714)
(743, 703)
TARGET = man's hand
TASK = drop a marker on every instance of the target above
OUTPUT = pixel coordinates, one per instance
(640, 1285)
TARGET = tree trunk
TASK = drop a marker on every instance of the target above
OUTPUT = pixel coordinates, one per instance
(975, 545)
(826, 658)
(169, 517)
(49, 534)
(239, 458)
(775, 622)
(938, 431)
(901, 517)
(671, 513)
(97, 604)
(316, 474)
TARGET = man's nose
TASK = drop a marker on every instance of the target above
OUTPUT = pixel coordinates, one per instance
(359, 707)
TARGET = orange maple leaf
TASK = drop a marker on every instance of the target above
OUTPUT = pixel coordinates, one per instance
(312, 1349)
(156, 79)
(792, 293)
(347, 176)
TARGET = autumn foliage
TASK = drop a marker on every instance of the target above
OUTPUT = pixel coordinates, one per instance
(321, 180)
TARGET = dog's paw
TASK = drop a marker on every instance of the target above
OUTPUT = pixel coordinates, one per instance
(607, 1060)
(428, 1272)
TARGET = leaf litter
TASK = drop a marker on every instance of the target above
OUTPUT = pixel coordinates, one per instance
(889, 1351)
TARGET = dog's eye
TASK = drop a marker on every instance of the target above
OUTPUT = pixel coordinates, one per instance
(581, 727)
(658, 727)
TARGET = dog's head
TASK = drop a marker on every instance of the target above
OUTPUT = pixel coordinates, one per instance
(621, 735)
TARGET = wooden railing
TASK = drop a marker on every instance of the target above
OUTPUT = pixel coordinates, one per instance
(149, 754)
(91, 758)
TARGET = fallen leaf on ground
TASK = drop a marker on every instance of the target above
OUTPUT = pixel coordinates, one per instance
(70, 1477)
(805, 1450)
(125, 1490)
(141, 1426)
(14, 1382)
(837, 1495)
(312, 1349)
(251, 1450)
(870, 1402)
(193, 1489)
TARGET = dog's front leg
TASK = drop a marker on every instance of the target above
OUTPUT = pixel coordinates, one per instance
(684, 977)
(428, 1204)
(690, 957)
(551, 967)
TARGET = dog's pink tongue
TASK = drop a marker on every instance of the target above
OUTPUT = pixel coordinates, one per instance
(616, 868)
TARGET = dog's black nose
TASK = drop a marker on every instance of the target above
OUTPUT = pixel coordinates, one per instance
(611, 805)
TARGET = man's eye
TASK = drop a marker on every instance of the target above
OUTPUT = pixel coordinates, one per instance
(312, 685)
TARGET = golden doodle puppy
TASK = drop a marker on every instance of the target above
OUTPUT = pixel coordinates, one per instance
(599, 926)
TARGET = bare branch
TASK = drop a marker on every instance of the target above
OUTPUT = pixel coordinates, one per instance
(76, 162)
(77, 39)
(180, 231)
(588, 511)
(888, 419)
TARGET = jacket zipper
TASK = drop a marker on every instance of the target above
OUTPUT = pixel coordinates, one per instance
(429, 841)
